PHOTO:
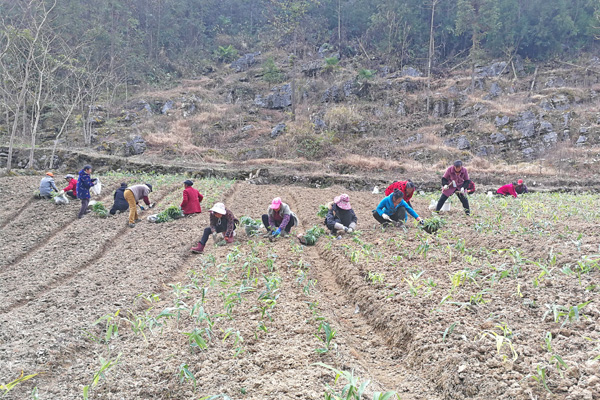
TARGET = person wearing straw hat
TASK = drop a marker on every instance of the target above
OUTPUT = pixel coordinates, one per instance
(279, 218)
(47, 186)
(341, 217)
(222, 221)
(71, 189)
(512, 189)
(393, 209)
(191, 199)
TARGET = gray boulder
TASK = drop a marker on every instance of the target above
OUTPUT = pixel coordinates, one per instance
(526, 124)
(312, 68)
(581, 140)
(550, 138)
(501, 121)
(278, 130)
(410, 71)
(401, 109)
(497, 137)
(528, 152)
(168, 106)
(135, 146)
(281, 97)
(492, 70)
(247, 128)
(495, 91)
(245, 62)
(486, 151)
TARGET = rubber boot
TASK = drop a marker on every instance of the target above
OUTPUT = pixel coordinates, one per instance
(198, 249)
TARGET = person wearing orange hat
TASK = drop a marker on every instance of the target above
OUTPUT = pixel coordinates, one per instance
(512, 189)
(47, 186)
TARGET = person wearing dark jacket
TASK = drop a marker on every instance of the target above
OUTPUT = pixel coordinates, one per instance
(191, 199)
(223, 221)
(84, 183)
(120, 204)
(341, 217)
(456, 179)
(393, 209)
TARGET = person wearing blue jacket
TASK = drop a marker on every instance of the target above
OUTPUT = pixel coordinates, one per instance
(84, 183)
(393, 209)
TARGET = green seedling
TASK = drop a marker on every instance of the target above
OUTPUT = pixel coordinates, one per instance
(547, 342)
(375, 277)
(354, 389)
(105, 366)
(569, 314)
(169, 214)
(7, 387)
(329, 333)
(540, 376)
(195, 339)
(448, 331)
(237, 340)
(185, 374)
(323, 210)
(99, 209)
(501, 342)
(559, 363)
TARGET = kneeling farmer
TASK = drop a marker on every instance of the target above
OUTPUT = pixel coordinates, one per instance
(223, 221)
(47, 186)
(133, 195)
(120, 204)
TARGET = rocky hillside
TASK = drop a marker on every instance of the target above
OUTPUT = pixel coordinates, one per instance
(350, 118)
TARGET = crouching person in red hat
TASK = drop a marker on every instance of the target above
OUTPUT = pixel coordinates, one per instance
(513, 189)
(222, 221)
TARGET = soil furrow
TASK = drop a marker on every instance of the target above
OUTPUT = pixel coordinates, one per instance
(17, 214)
(67, 277)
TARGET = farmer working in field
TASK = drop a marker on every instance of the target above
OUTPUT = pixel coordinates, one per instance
(84, 183)
(47, 186)
(471, 188)
(223, 221)
(191, 199)
(71, 189)
(133, 195)
(120, 204)
(512, 189)
(455, 179)
(279, 218)
(406, 187)
(393, 209)
(341, 217)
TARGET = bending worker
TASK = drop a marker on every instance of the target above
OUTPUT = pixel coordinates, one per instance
(47, 186)
(120, 204)
(456, 179)
(133, 195)
(393, 208)
(513, 189)
(71, 189)
(406, 187)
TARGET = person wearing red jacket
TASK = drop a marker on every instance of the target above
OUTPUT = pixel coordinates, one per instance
(191, 199)
(406, 187)
(71, 189)
(512, 189)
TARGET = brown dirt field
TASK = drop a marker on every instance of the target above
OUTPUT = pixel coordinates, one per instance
(389, 294)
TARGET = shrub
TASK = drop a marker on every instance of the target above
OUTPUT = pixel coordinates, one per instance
(226, 53)
(271, 73)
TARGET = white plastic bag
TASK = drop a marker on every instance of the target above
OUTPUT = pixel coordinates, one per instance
(61, 199)
(445, 207)
(97, 188)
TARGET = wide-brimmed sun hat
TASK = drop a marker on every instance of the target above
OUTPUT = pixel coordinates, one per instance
(219, 208)
(343, 201)
(276, 203)
(69, 176)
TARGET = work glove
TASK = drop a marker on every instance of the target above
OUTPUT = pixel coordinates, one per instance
(142, 208)
(346, 230)
(349, 230)
(421, 222)
(151, 205)
(276, 232)
(229, 239)
(386, 217)
(445, 187)
(215, 236)
(462, 190)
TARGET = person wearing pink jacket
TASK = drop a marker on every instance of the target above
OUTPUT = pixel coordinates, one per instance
(512, 189)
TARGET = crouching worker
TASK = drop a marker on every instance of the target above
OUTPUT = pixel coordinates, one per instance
(513, 189)
(279, 218)
(223, 221)
(71, 189)
(406, 187)
(120, 204)
(341, 217)
(455, 179)
(191, 199)
(133, 195)
(393, 209)
(47, 186)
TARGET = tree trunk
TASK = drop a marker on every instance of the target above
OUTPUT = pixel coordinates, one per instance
(431, 50)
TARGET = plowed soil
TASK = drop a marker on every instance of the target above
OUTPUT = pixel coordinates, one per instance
(480, 310)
